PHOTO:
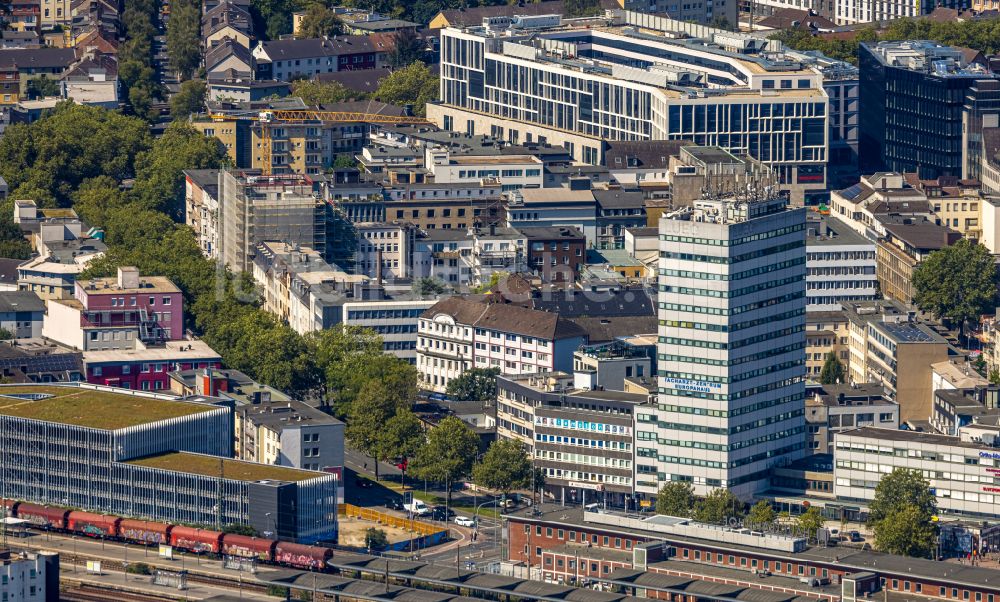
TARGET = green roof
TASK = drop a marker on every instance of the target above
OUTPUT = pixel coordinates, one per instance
(91, 408)
(237, 470)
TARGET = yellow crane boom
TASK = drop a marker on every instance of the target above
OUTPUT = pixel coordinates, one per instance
(266, 118)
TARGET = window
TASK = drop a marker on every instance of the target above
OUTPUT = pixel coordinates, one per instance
(166, 300)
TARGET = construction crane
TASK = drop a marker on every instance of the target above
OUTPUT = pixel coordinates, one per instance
(267, 118)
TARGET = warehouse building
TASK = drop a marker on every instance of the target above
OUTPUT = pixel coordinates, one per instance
(150, 456)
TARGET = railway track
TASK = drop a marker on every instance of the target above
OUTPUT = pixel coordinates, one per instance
(85, 593)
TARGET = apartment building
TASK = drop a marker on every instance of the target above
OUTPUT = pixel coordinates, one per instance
(955, 203)
(581, 439)
(298, 285)
(618, 210)
(385, 249)
(255, 209)
(201, 208)
(907, 243)
(555, 254)
(286, 59)
(964, 407)
(436, 206)
(962, 474)
(574, 206)
(900, 79)
(28, 577)
(850, 12)
(512, 171)
(393, 316)
(840, 265)
(530, 79)
(832, 409)
(865, 206)
(608, 365)
(458, 333)
(732, 300)
(899, 356)
(117, 313)
(826, 332)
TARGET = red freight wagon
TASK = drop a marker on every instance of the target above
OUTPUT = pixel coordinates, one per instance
(196, 540)
(302, 556)
(144, 531)
(248, 547)
(42, 516)
(93, 525)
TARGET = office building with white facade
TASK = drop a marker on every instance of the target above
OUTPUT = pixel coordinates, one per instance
(840, 265)
(731, 352)
(963, 474)
(536, 79)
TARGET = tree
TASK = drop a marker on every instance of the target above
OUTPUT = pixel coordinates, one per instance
(273, 18)
(412, 85)
(475, 384)
(370, 413)
(344, 162)
(901, 514)
(375, 539)
(504, 467)
(900, 488)
(42, 86)
(401, 438)
(581, 8)
(319, 21)
(718, 506)
(184, 37)
(407, 48)
(429, 286)
(323, 93)
(675, 498)
(833, 371)
(448, 454)
(906, 532)
(995, 376)
(957, 282)
(762, 514)
(809, 522)
(160, 171)
(6, 335)
(189, 99)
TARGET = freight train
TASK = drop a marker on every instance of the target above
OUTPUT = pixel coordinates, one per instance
(190, 539)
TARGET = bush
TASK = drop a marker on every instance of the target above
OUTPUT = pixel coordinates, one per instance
(139, 568)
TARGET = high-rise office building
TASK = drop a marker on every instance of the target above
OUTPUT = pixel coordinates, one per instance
(732, 297)
(913, 94)
(636, 77)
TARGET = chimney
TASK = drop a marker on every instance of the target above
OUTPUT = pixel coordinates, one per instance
(128, 277)
(206, 387)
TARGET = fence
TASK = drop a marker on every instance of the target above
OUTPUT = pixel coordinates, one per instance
(370, 514)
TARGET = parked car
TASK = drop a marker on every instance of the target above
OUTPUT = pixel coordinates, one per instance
(442, 513)
(855, 536)
(465, 521)
(394, 503)
(362, 483)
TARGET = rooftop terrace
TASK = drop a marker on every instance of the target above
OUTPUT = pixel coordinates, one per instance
(91, 408)
(216, 466)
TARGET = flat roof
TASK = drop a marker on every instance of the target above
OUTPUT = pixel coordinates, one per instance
(911, 332)
(170, 351)
(830, 231)
(91, 408)
(871, 432)
(219, 467)
(147, 284)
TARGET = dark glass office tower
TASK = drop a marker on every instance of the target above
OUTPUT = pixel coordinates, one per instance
(912, 97)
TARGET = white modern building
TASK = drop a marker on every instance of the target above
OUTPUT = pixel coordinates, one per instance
(457, 334)
(513, 171)
(963, 475)
(578, 84)
(384, 249)
(732, 347)
(840, 265)
(29, 577)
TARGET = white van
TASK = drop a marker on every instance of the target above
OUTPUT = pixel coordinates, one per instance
(417, 507)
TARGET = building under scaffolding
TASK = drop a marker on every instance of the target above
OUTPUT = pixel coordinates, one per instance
(256, 209)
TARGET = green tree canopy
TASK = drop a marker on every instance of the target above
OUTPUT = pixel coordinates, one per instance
(407, 48)
(901, 515)
(414, 85)
(833, 371)
(504, 467)
(42, 86)
(675, 498)
(402, 435)
(448, 454)
(475, 384)
(370, 413)
(375, 539)
(323, 93)
(319, 21)
(48, 159)
(906, 532)
(957, 282)
(809, 522)
(762, 514)
(581, 8)
(184, 37)
(189, 99)
(718, 506)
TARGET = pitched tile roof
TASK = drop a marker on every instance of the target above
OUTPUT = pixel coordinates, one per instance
(506, 318)
(284, 50)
